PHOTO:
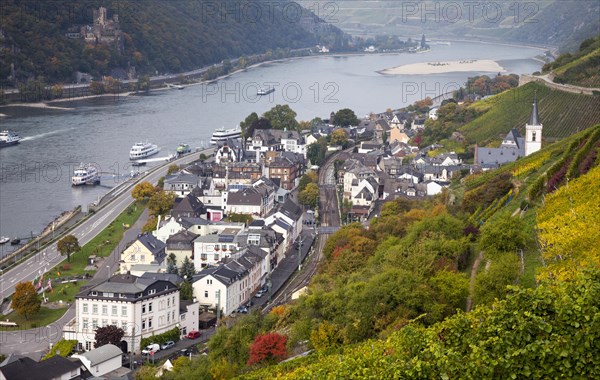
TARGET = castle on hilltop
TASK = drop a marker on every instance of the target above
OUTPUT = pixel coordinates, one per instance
(514, 145)
(103, 30)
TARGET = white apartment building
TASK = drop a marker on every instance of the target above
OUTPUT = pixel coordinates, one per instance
(140, 306)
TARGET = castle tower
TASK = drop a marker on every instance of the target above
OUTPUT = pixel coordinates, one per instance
(533, 131)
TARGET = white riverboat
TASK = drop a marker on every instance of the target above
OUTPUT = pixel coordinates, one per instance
(84, 175)
(8, 138)
(222, 135)
(142, 150)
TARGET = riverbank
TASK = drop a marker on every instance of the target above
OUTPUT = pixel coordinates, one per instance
(485, 65)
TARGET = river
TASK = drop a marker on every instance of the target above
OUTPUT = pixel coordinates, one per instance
(35, 175)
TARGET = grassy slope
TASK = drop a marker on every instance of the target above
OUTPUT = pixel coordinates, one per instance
(561, 113)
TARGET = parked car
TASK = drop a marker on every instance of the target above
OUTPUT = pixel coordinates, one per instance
(259, 293)
(167, 345)
(154, 347)
(242, 309)
(193, 334)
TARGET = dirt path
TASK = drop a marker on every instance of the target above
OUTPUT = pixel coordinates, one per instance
(472, 281)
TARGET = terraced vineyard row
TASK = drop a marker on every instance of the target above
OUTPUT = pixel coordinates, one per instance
(561, 113)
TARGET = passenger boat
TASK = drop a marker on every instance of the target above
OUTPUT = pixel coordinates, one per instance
(4, 240)
(265, 92)
(85, 174)
(142, 150)
(222, 134)
(8, 138)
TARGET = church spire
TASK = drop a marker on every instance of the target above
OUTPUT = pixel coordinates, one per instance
(534, 119)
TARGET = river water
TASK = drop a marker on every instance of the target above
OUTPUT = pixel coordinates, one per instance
(35, 175)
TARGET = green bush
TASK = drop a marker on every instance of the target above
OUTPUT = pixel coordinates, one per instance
(63, 348)
(172, 334)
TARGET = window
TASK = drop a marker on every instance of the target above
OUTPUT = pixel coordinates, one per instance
(124, 326)
(150, 322)
(203, 256)
(85, 324)
(206, 294)
(85, 308)
(216, 257)
(144, 308)
(94, 309)
(121, 295)
(109, 295)
(88, 346)
(94, 324)
(104, 309)
(209, 281)
(143, 324)
(173, 315)
(150, 307)
(152, 291)
(143, 258)
(114, 322)
(105, 322)
(132, 257)
(533, 136)
(168, 317)
(114, 310)
(168, 302)
(123, 311)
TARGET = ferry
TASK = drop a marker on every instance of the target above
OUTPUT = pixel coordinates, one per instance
(8, 138)
(4, 240)
(265, 92)
(85, 174)
(142, 150)
(183, 149)
(222, 134)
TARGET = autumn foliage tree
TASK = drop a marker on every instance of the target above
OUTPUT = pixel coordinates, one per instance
(68, 245)
(108, 335)
(268, 348)
(26, 301)
(142, 190)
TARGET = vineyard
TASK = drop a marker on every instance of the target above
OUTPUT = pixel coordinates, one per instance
(561, 113)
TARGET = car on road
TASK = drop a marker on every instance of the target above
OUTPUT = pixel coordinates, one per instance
(153, 347)
(193, 334)
(167, 345)
(260, 293)
(242, 310)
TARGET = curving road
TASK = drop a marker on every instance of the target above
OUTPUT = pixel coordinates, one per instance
(36, 340)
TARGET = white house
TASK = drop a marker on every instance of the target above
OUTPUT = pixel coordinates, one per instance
(101, 360)
(230, 285)
(141, 306)
(189, 312)
(211, 249)
(434, 187)
(145, 250)
(433, 113)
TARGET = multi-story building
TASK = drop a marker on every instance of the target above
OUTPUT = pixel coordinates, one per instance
(145, 250)
(141, 306)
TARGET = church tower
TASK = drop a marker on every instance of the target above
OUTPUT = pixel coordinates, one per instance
(533, 131)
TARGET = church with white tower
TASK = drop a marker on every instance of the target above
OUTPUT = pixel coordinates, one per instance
(533, 131)
(514, 145)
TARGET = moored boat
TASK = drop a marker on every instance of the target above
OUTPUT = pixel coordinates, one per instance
(222, 135)
(15, 241)
(142, 150)
(4, 240)
(85, 174)
(8, 138)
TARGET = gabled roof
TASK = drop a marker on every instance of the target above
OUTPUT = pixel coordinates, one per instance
(183, 239)
(247, 197)
(187, 204)
(290, 209)
(27, 368)
(182, 178)
(152, 244)
(102, 354)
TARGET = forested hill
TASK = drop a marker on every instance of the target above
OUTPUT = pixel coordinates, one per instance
(154, 35)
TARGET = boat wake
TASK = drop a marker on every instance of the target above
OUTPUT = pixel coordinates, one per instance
(35, 137)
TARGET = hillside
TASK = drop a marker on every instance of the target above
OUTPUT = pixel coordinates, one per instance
(561, 113)
(551, 23)
(389, 301)
(581, 68)
(153, 35)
